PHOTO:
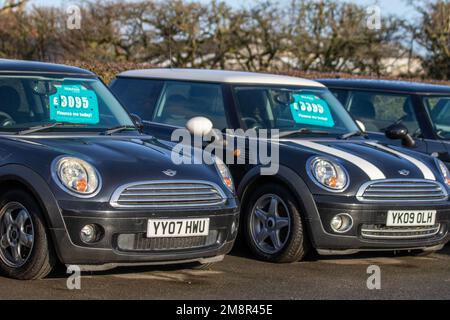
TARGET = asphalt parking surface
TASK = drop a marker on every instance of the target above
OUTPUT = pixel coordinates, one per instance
(239, 277)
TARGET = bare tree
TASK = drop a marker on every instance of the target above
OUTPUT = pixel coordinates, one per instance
(260, 37)
(308, 35)
(222, 33)
(12, 4)
(333, 37)
(433, 34)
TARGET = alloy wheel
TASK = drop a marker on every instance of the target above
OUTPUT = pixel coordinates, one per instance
(270, 224)
(16, 235)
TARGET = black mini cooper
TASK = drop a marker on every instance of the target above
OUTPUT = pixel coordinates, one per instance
(423, 110)
(80, 184)
(334, 189)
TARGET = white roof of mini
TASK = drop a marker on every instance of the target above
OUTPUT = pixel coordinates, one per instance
(219, 76)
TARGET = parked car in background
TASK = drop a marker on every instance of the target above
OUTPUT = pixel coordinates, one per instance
(335, 189)
(384, 106)
(81, 184)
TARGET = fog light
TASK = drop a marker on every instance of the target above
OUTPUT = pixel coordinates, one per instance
(341, 223)
(89, 233)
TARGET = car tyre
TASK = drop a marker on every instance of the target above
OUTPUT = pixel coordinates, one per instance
(273, 226)
(26, 251)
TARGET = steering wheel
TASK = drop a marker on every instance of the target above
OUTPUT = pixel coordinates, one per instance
(6, 120)
(441, 133)
(251, 123)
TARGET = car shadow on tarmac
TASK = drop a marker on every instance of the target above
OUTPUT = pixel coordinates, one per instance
(313, 256)
(60, 271)
(239, 251)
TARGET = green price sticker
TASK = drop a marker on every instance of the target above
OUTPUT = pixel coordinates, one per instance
(74, 104)
(310, 109)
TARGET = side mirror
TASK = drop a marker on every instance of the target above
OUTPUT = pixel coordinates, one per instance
(199, 126)
(400, 132)
(361, 125)
(137, 121)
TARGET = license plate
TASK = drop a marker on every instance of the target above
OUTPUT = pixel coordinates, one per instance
(167, 228)
(411, 218)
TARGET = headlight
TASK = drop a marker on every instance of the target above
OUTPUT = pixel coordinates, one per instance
(224, 173)
(76, 176)
(328, 174)
(444, 171)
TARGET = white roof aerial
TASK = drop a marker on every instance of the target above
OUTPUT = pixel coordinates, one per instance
(219, 76)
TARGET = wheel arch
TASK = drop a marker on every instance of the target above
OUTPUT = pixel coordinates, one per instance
(289, 179)
(286, 177)
(28, 180)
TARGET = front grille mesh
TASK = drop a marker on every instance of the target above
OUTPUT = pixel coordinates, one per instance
(163, 194)
(139, 242)
(402, 190)
(407, 233)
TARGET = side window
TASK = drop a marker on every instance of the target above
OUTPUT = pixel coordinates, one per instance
(14, 102)
(255, 107)
(181, 101)
(139, 96)
(379, 110)
(439, 111)
(341, 95)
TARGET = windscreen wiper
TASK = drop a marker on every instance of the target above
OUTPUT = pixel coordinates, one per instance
(302, 132)
(45, 127)
(352, 134)
(118, 129)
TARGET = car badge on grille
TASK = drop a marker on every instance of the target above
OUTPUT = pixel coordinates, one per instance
(170, 173)
(404, 172)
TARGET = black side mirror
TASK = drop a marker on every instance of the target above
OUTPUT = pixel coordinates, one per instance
(400, 132)
(137, 121)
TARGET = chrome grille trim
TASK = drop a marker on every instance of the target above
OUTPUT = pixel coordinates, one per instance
(407, 190)
(379, 232)
(168, 194)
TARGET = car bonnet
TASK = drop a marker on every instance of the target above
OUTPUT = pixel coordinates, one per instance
(375, 160)
(119, 158)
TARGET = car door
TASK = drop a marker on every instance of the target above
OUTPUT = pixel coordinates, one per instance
(378, 110)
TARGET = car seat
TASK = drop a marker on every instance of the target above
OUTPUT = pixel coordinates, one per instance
(206, 101)
(252, 104)
(409, 119)
(175, 111)
(363, 109)
(9, 103)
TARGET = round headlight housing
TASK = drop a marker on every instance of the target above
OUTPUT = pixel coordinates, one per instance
(225, 173)
(444, 171)
(76, 176)
(328, 174)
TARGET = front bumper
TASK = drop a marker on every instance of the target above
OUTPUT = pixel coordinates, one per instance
(124, 241)
(373, 216)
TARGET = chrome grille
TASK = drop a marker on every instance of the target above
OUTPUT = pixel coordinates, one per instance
(407, 233)
(402, 190)
(165, 194)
